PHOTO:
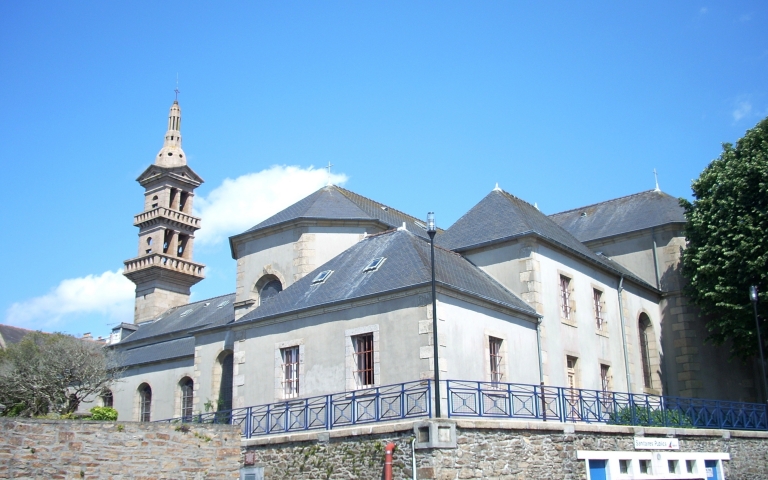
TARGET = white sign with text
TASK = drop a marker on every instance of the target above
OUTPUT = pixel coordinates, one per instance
(643, 443)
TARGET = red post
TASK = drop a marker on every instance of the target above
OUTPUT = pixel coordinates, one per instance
(388, 461)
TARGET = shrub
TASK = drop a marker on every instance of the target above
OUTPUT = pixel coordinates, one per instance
(650, 417)
(104, 414)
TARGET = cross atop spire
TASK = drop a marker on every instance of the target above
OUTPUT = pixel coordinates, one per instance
(656, 176)
(177, 87)
(329, 172)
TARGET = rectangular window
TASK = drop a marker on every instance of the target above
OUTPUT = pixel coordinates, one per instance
(565, 297)
(624, 466)
(290, 369)
(645, 467)
(598, 306)
(605, 378)
(363, 360)
(494, 347)
(571, 373)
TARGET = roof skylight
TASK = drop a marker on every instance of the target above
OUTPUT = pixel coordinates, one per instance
(375, 264)
(186, 312)
(322, 276)
(222, 304)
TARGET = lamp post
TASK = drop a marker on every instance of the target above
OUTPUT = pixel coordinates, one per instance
(754, 297)
(431, 230)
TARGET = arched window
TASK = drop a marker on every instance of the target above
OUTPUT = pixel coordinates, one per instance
(222, 375)
(145, 403)
(646, 337)
(187, 395)
(269, 290)
(107, 400)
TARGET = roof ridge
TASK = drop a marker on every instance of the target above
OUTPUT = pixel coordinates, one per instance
(605, 201)
(344, 192)
(518, 198)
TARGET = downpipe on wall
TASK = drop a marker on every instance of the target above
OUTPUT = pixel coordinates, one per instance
(388, 460)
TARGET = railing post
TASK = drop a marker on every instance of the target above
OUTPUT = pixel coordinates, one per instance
(328, 412)
(402, 400)
(248, 422)
(509, 399)
(429, 397)
(448, 397)
(543, 403)
(479, 400)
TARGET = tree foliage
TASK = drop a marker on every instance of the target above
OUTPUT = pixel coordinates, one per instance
(727, 233)
(53, 373)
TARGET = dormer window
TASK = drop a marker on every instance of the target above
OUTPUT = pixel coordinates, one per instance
(322, 277)
(375, 264)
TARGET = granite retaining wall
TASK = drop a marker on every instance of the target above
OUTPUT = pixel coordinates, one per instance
(120, 450)
(487, 450)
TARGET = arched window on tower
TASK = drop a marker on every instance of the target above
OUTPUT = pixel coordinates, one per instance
(645, 329)
(272, 288)
(145, 403)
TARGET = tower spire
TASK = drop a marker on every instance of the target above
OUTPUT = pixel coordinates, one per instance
(656, 176)
(172, 155)
(164, 268)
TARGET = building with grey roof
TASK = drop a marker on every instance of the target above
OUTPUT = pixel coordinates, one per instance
(333, 294)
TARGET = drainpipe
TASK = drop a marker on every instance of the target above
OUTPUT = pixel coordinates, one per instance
(413, 458)
(655, 260)
(624, 335)
(538, 345)
(388, 461)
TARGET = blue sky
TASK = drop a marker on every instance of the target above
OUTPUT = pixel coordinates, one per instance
(419, 105)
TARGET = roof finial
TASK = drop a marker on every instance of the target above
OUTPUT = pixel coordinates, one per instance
(535, 205)
(329, 173)
(177, 86)
(656, 176)
(497, 189)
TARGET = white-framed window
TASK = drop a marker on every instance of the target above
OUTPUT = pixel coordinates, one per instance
(496, 359)
(565, 297)
(289, 369)
(362, 353)
(597, 305)
(290, 356)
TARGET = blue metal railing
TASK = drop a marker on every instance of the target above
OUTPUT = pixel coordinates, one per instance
(535, 402)
(487, 400)
(370, 405)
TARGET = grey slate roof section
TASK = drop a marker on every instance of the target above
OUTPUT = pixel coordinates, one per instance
(11, 335)
(501, 216)
(157, 352)
(336, 203)
(621, 215)
(407, 264)
(199, 314)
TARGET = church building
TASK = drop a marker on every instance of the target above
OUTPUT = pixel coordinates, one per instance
(333, 294)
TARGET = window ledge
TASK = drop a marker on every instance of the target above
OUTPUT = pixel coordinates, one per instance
(651, 391)
(569, 322)
(602, 333)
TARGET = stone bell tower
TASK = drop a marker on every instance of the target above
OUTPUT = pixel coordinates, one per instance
(163, 270)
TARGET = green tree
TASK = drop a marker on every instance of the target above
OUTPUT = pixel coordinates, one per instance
(53, 373)
(727, 233)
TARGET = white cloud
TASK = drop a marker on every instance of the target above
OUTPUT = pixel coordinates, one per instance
(239, 204)
(109, 294)
(743, 109)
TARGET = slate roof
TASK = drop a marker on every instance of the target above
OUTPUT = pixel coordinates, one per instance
(186, 318)
(500, 216)
(10, 335)
(336, 203)
(407, 264)
(157, 352)
(621, 215)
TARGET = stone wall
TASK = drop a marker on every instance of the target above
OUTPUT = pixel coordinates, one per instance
(486, 450)
(129, 450)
